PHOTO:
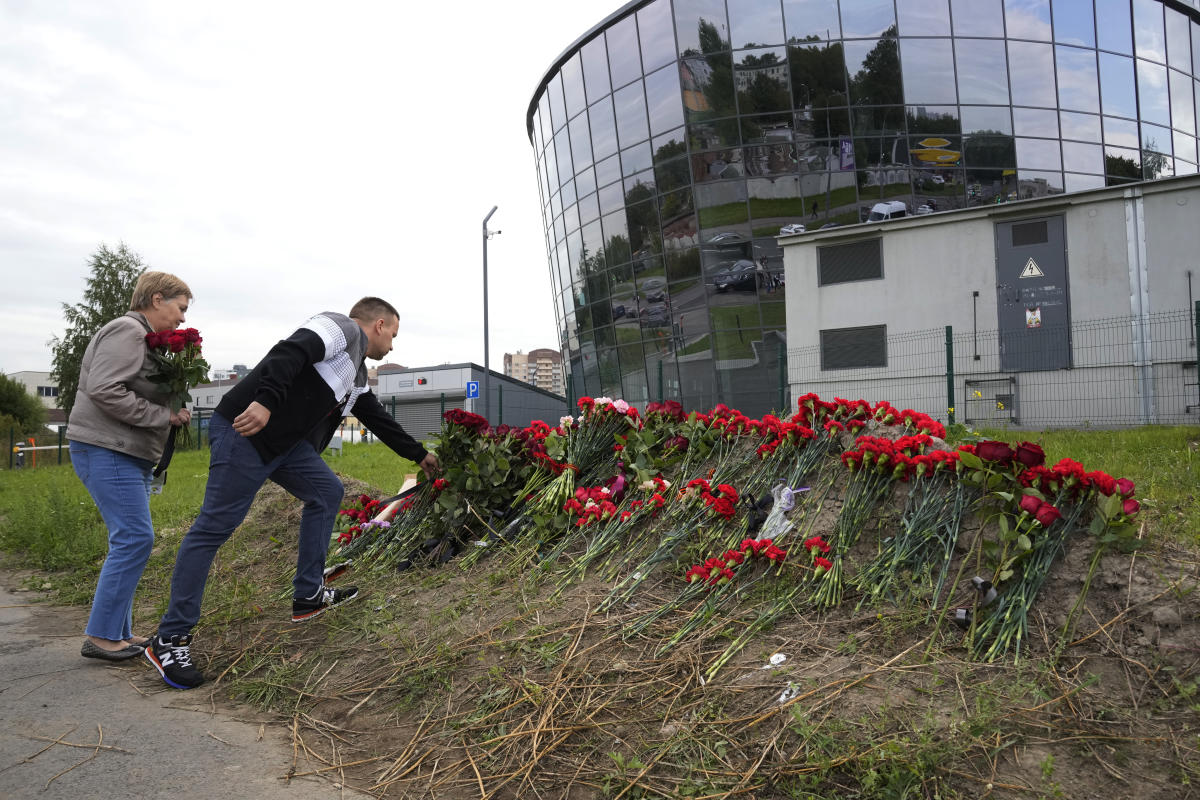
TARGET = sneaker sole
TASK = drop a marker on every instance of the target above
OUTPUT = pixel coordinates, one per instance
(162, 673)
(316, 612)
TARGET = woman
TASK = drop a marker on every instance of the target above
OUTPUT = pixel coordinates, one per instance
(117, 431)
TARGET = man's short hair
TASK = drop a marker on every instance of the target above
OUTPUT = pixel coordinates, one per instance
(370, 309)
(152, 283)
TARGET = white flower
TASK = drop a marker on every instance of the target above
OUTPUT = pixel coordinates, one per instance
(621, 406)
(566, 422)
(603, 401)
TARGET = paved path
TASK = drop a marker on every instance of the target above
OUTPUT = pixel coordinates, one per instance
(157, 742)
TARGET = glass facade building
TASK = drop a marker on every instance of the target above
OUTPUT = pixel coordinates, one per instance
(676, 139)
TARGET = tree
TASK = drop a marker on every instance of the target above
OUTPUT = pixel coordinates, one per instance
(114, 274)
(19, 409)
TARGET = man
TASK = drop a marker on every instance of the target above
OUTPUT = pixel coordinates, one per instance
(274, 424)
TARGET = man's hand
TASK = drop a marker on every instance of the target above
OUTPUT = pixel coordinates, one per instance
(430, 465)
(252, 420)
(181, 417)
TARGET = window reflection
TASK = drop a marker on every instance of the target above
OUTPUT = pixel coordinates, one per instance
(1148, 30)
(1085, 127)
(1080, 157)
(636, 159)
(928, 69)
(1078, 84)
(1073, 22)
(1117, 95)
(1185, 148)
(1122, 165)
(700, 26)
(581, 148)
(585, 181)
(1038, 154)
(707, 86)
(562, 149)
(990, 150)
(1196, 50)
(1027, 19)
(868, 18)
(1121, 132)
(818, 74)
(1179, 50)
(604, 129)
(933, 119)
(716, 165)
(1033, 183)
(671, 174)
(572, 78)
(595, 69)
(982, 71)
(612, 196)
(1115, 32)
(1080, 183)
(761, 79)
(807, 20)
(755, 22)
(656, 30)
(1029, 66)
(770, 150)
(558, 116)
(1183, 113)
(630, 105)
(623, 62)
(874, 68)
(1156, 138)
(712, 135)
(663, 99)
(923, 17)
(982, 118)
(977, 17)
(1152, 92)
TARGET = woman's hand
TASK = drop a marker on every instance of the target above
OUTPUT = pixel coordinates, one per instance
(181, 418)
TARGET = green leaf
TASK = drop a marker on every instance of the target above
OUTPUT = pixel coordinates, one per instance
(1024, 543)
(970, 460)
(1004, 575)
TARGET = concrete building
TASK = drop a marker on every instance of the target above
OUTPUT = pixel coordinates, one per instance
(39, 385)
(541, 367)
(1067, 310)
(675, 138)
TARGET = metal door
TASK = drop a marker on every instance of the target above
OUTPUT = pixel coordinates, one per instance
(1032, 298)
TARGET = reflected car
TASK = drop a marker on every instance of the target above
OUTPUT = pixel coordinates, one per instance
(739, 275)
(795, 227)
(828, 225)
(618, 311)
(656, 315)
(923, 209)
(654, 290)
(725, 237)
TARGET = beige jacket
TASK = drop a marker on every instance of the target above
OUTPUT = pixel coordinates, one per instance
(116, 406)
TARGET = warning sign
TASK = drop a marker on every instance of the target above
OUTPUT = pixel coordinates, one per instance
(1032, 270)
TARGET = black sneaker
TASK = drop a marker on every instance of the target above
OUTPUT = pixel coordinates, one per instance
(173, 660)
(327, 598)
(336, 571)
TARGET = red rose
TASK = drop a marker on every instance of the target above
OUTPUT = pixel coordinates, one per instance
(1130, 507)
(1030, 504)
(1125, 487)
(1047, 515)
(998, 452)
(1030, 454)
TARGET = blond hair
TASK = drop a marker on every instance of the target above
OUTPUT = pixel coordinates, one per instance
(152, 283)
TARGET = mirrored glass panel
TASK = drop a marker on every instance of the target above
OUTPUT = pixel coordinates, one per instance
(1185, 148)
(1183, 113)
(1033, 183)
(700, 26)
(713, 135)
(1038, 154)
(1179, 45)
(642, 221)
(1148, 30)
(1196, 49)
(1027, 19)
(754, 23)
(1080, 157)
(624, 63)
(1184, 167)
(630, 106)
(923, 17)
(986, 119)
(1157, 165)
(572, 78)
(716, 165)
(656, 30)
(1078, 83)
(1115, 30)
(558, 114)
(811, 20)
(636, 159)
(982, 71)
(1117, 95)
(989, 150)
(818, 76)
(671, 174)
(707, 83)
(1030, 65)
(640, 184)
(928, 70)
(1152, 92)
(616, 238)
(761, 79)
(771, 151)
(874, 69)
(1074, 22)
(1080, 183)
(604, 128)
(1122, 165)
(932, 152)
(978, 17)
(595, 69)
(1156, 138)
(864, 19)
(562, 147)
(1084, 127)
(581, 148)
(585, 181)
(663, 101)
(933, 119)
(1120, 132)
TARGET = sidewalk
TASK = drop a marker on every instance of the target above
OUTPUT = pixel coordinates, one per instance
(55, 707)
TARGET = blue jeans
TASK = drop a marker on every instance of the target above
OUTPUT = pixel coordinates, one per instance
(236, 472)
(120, 486)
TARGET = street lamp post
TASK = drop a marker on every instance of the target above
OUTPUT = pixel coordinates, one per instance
(487, 364)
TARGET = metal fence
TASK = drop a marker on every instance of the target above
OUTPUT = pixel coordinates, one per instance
(1122, 371)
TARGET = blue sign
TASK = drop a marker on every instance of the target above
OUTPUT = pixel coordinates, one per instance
(472, 389)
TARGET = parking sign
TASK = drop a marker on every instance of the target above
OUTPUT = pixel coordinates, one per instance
(472, 389)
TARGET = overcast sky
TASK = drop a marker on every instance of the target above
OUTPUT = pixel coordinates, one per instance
(283, 158)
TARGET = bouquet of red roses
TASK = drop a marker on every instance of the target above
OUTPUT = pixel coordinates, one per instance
(180, 366)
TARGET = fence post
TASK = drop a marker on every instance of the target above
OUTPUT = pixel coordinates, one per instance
(1196, 318)
(782, 379)
(500, 404)
(570, 391)
(950, 374)
(661, 399)
(12, 442)
(443, 415)
(61, 429)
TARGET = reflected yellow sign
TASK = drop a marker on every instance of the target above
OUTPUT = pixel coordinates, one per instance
(932, 150)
